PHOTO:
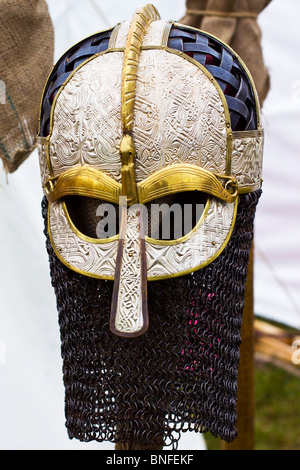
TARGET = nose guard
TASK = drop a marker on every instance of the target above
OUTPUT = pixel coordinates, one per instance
(129, 308)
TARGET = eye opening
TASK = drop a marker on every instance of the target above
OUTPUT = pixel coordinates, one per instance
(167, 218)
(175, 216)
(94, 218)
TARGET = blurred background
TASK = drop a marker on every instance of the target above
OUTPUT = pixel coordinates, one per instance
(31, 388)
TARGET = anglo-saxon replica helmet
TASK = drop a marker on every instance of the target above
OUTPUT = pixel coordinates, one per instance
(147, 116)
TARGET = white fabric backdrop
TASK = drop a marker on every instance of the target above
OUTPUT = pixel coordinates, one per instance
(31, 389)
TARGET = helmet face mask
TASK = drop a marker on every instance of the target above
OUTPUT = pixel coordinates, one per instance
(143, 159)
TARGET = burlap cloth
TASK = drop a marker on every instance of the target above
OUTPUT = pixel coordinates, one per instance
(235, 23)
(26, 58)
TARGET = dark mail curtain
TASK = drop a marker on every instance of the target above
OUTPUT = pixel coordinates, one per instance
(26, 58)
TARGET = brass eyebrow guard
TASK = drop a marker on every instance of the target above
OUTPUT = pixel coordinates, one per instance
(87, 181)
(91, 182)
(186, 177)
(83, 181)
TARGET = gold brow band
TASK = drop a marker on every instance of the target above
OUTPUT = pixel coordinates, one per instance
(91, 182)
(185, 177)
(83, 181)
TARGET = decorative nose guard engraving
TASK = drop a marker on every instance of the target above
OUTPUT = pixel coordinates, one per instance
(129, 310)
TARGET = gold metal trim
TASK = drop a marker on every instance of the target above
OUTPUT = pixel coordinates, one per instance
(83, 181)
(137, 30)
(47, 153)
(127, 154)
(185, 177)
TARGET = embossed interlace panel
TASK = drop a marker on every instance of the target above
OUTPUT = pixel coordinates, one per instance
(179, 117)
